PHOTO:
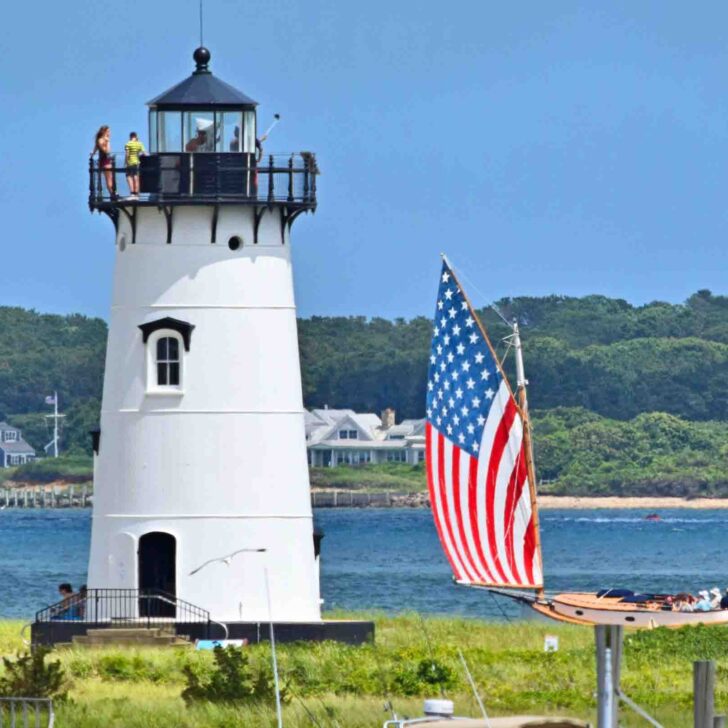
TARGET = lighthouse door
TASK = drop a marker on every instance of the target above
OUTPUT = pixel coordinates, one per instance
(157, 574)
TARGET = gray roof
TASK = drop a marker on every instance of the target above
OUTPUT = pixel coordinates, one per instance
(202, 89)
(19, 447)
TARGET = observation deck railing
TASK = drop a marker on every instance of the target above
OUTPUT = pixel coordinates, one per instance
(207, 178)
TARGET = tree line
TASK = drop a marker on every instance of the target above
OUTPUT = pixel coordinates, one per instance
(599, 354)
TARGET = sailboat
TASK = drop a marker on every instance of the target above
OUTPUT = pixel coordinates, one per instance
(482, 484)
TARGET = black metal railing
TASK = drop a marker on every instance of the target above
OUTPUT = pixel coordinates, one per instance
(124, 608)
(204, 177)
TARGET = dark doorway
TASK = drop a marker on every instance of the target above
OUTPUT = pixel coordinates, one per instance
(157, 570)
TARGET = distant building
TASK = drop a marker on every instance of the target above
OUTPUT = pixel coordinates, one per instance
(13, 449)
(344, 437)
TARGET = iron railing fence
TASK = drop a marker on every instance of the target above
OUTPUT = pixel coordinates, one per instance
(26, 713)
(124, 608)
(208, 177)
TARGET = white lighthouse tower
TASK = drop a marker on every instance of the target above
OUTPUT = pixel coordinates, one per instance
(201, 452)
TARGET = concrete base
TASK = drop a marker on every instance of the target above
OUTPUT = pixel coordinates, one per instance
(348, 632)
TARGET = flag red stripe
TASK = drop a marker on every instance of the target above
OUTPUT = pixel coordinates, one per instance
(473, 513)
(529, 549)
(432, 485)
(500, 440)
(515, 490)
(469, 562)
(445, 503)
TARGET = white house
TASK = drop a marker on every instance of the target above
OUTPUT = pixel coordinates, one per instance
(13, 449)
(344, 437)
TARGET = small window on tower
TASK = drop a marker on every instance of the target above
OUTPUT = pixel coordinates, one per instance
(168, 362)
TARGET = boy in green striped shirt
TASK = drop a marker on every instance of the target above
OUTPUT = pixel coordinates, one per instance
(133, 148)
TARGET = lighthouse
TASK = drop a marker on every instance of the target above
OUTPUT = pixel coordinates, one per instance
(201, 491)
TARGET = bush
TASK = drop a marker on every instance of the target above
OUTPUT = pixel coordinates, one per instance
(232, 680)
(29, 677)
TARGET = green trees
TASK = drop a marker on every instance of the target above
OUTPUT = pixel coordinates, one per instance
(599, 354)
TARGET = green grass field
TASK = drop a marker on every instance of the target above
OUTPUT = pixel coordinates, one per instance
(335, 685)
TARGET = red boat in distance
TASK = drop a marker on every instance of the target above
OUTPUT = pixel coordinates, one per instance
(653, 517)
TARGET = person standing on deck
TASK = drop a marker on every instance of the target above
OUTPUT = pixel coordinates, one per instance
(133, 149)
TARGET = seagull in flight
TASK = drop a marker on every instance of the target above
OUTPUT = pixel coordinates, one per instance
(226, 559)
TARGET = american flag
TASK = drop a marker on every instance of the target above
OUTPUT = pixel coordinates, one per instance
(476, 459)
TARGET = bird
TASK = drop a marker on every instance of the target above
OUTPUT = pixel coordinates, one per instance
(227, 560)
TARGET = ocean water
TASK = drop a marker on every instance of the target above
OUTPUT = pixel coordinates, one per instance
(390, 559)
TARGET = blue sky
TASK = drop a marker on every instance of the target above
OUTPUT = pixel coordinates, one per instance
(558, 147)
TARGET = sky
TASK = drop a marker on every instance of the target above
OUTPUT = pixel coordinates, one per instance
(563, 147)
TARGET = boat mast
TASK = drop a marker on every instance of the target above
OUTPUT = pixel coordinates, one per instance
(521, 383)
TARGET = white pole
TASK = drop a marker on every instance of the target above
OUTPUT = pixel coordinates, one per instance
(55, 424)
(520, 372)
(279, 714)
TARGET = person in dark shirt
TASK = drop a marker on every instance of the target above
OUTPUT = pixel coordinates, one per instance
(724, 600)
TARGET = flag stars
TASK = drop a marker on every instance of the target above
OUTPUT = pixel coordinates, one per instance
(454, 376)
(466, 366)
(460, 348)
(456, 330)
(446, 339)
(464, 411)
(456, 420)
(448, 294)
(451, 402)
(469, 321)
(443, 322)
(439, 351)
(475, 447)
(463, 305)
(479, 358)
(476, 402)
(433, 359)
(458, 393)
(470, 428)
(473, 338)
(436, 376)
(446, 385)
(445, 277)
(436, 332)
(485, 374)
(440, 304)
(443, 366)
(452, 313)
(430, 386)
(489, 393)
(461, 438)
(449, 429)
(470, 383)
(450, 357)
(481, 420)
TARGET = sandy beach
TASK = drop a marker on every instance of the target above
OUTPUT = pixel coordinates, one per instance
(553, 501)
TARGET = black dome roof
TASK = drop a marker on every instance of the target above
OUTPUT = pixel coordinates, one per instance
(201, 89)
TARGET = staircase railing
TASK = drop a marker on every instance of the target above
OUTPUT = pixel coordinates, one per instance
(124, 608)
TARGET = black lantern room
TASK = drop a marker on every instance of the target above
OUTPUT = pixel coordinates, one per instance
(203, 148)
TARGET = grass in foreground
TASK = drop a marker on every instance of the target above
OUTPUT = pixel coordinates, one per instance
(347, 686)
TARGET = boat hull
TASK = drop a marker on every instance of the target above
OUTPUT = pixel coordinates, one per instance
(587, 609)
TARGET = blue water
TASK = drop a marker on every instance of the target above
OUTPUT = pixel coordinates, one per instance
(390, 559)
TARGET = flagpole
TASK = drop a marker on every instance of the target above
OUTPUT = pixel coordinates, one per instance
(55, 424)
(521, 383)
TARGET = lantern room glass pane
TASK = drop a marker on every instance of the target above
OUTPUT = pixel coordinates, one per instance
(249, 137)
(169, 133)
(230, 124)
(199, 131)
(153, 132)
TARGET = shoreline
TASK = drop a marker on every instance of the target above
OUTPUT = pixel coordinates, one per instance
(546, 502)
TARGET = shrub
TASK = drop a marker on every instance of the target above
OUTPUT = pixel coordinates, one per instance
(28, 676)
(232, 680)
